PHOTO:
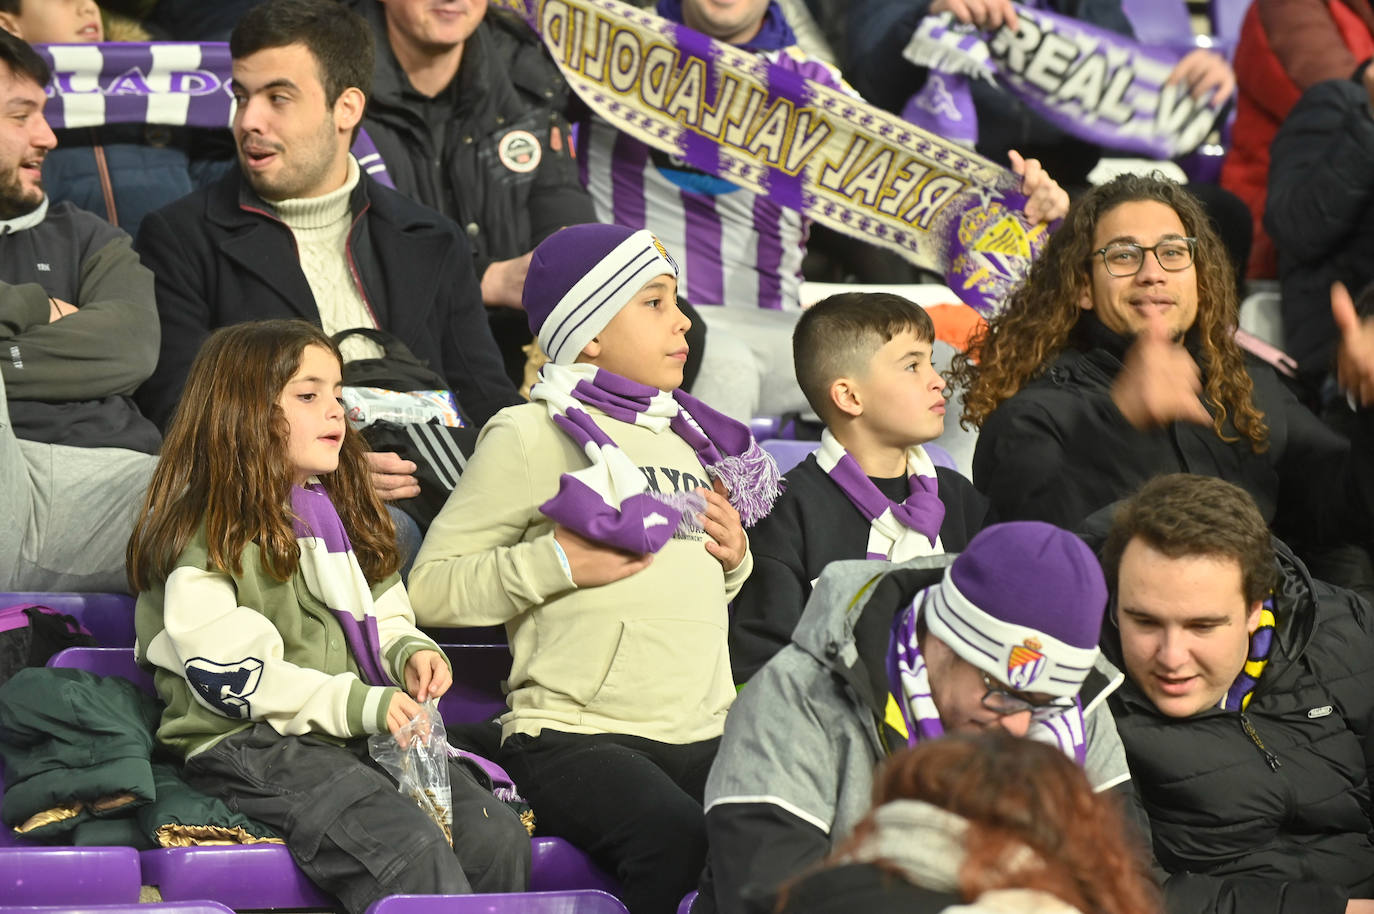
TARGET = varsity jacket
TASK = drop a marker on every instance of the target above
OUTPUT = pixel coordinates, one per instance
(795, 768)
(1320, 214)
(1059, 449)
(811, 525)
(1281, 829)
(232, 649)
(70, 381)
(502, 167)
(221, 257)
(644, 656)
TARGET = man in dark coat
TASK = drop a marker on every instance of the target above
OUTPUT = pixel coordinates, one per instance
(1248, 705)
(298, 231)
(465, 110)
(1115, 362)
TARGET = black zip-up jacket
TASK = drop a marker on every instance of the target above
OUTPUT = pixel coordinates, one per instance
(1059, 450)
(503, 168)
(221, 257)
(1320, 215)
(1279, 829)
(813, 524)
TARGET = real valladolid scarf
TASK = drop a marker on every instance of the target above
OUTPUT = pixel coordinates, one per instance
(897, 530)
(611, 501)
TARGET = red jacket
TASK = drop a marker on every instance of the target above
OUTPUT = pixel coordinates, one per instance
(1285, 47)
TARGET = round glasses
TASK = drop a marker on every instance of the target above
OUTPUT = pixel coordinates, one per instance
(1003, 702)
(1125, 258)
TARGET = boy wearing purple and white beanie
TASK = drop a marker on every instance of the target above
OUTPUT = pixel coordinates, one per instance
(603, 525)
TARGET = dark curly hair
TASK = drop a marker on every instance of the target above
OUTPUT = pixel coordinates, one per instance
(1020, 342)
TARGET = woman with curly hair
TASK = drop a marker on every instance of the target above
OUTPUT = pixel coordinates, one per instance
(1115, 361)
(984, 823)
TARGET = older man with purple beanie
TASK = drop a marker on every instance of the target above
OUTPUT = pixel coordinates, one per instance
(887, 656)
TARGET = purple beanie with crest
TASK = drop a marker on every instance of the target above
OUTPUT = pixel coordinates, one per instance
(581, 276)
(1024, 603)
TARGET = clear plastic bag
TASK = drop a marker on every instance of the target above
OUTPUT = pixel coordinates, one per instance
(417, 758)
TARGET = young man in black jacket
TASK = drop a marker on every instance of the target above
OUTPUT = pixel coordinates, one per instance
(1115, 361)
(298, 231)
(1247, 708)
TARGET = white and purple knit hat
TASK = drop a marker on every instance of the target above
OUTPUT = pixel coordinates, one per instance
(1024, 603)
(581, 276)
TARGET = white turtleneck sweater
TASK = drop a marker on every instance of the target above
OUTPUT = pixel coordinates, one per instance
(321, 225)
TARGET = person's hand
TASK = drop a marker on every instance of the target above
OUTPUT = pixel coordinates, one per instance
(427, 675)
(1360, 906)
(986, 14)
(391, 476)
(1355, 353)
(1046, 200)
(1205, 73)
(1160, 382)
(721, 522)
(593, 564)
(399, 713)
(57, 309)
(503, 282)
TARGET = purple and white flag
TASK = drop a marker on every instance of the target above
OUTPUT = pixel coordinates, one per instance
(805, 145)
(1086, 80)
(176, 83)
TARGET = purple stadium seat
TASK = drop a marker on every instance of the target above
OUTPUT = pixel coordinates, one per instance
(765, 426)
(258, 876)
(1160, 22)
(166, 907)
(478, 671)
(585, 901)
(557, 866)
(67, 876)
(685, 905)
(940, 457)
(105, 661)
(107, 616)
(788, 453)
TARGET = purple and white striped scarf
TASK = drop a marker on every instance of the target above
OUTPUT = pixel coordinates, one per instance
(909, 681)
(896, 531)
(332, 574)
(1088, 81)
(610, 501)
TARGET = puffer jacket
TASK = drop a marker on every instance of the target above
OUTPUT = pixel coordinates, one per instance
(1237, 830)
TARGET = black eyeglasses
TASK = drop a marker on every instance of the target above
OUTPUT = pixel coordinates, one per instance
(1125, 258)
(1004, 702)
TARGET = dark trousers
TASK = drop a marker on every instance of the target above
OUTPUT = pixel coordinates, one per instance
(634, 805)
(352, 832)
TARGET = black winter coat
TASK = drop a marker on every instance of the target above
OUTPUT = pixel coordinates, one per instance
(1240, 836)
(222, 258)
(813, 524)
(1320, 213)
(503, 166)
(1059, 450)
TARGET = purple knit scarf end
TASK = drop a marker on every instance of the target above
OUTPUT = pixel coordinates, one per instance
(687, 504)
(753, 481)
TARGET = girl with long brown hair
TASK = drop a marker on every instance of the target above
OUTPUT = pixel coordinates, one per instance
(280, 634)
(983, 823)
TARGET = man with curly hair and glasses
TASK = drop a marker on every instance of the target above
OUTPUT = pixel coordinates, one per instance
(1115, 361)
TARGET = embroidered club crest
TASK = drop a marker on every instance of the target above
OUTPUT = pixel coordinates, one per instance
(519, 151)
(1025, 664)
(658, 246)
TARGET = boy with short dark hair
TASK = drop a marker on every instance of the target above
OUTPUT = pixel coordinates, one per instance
(870, 490)
(602, 523)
